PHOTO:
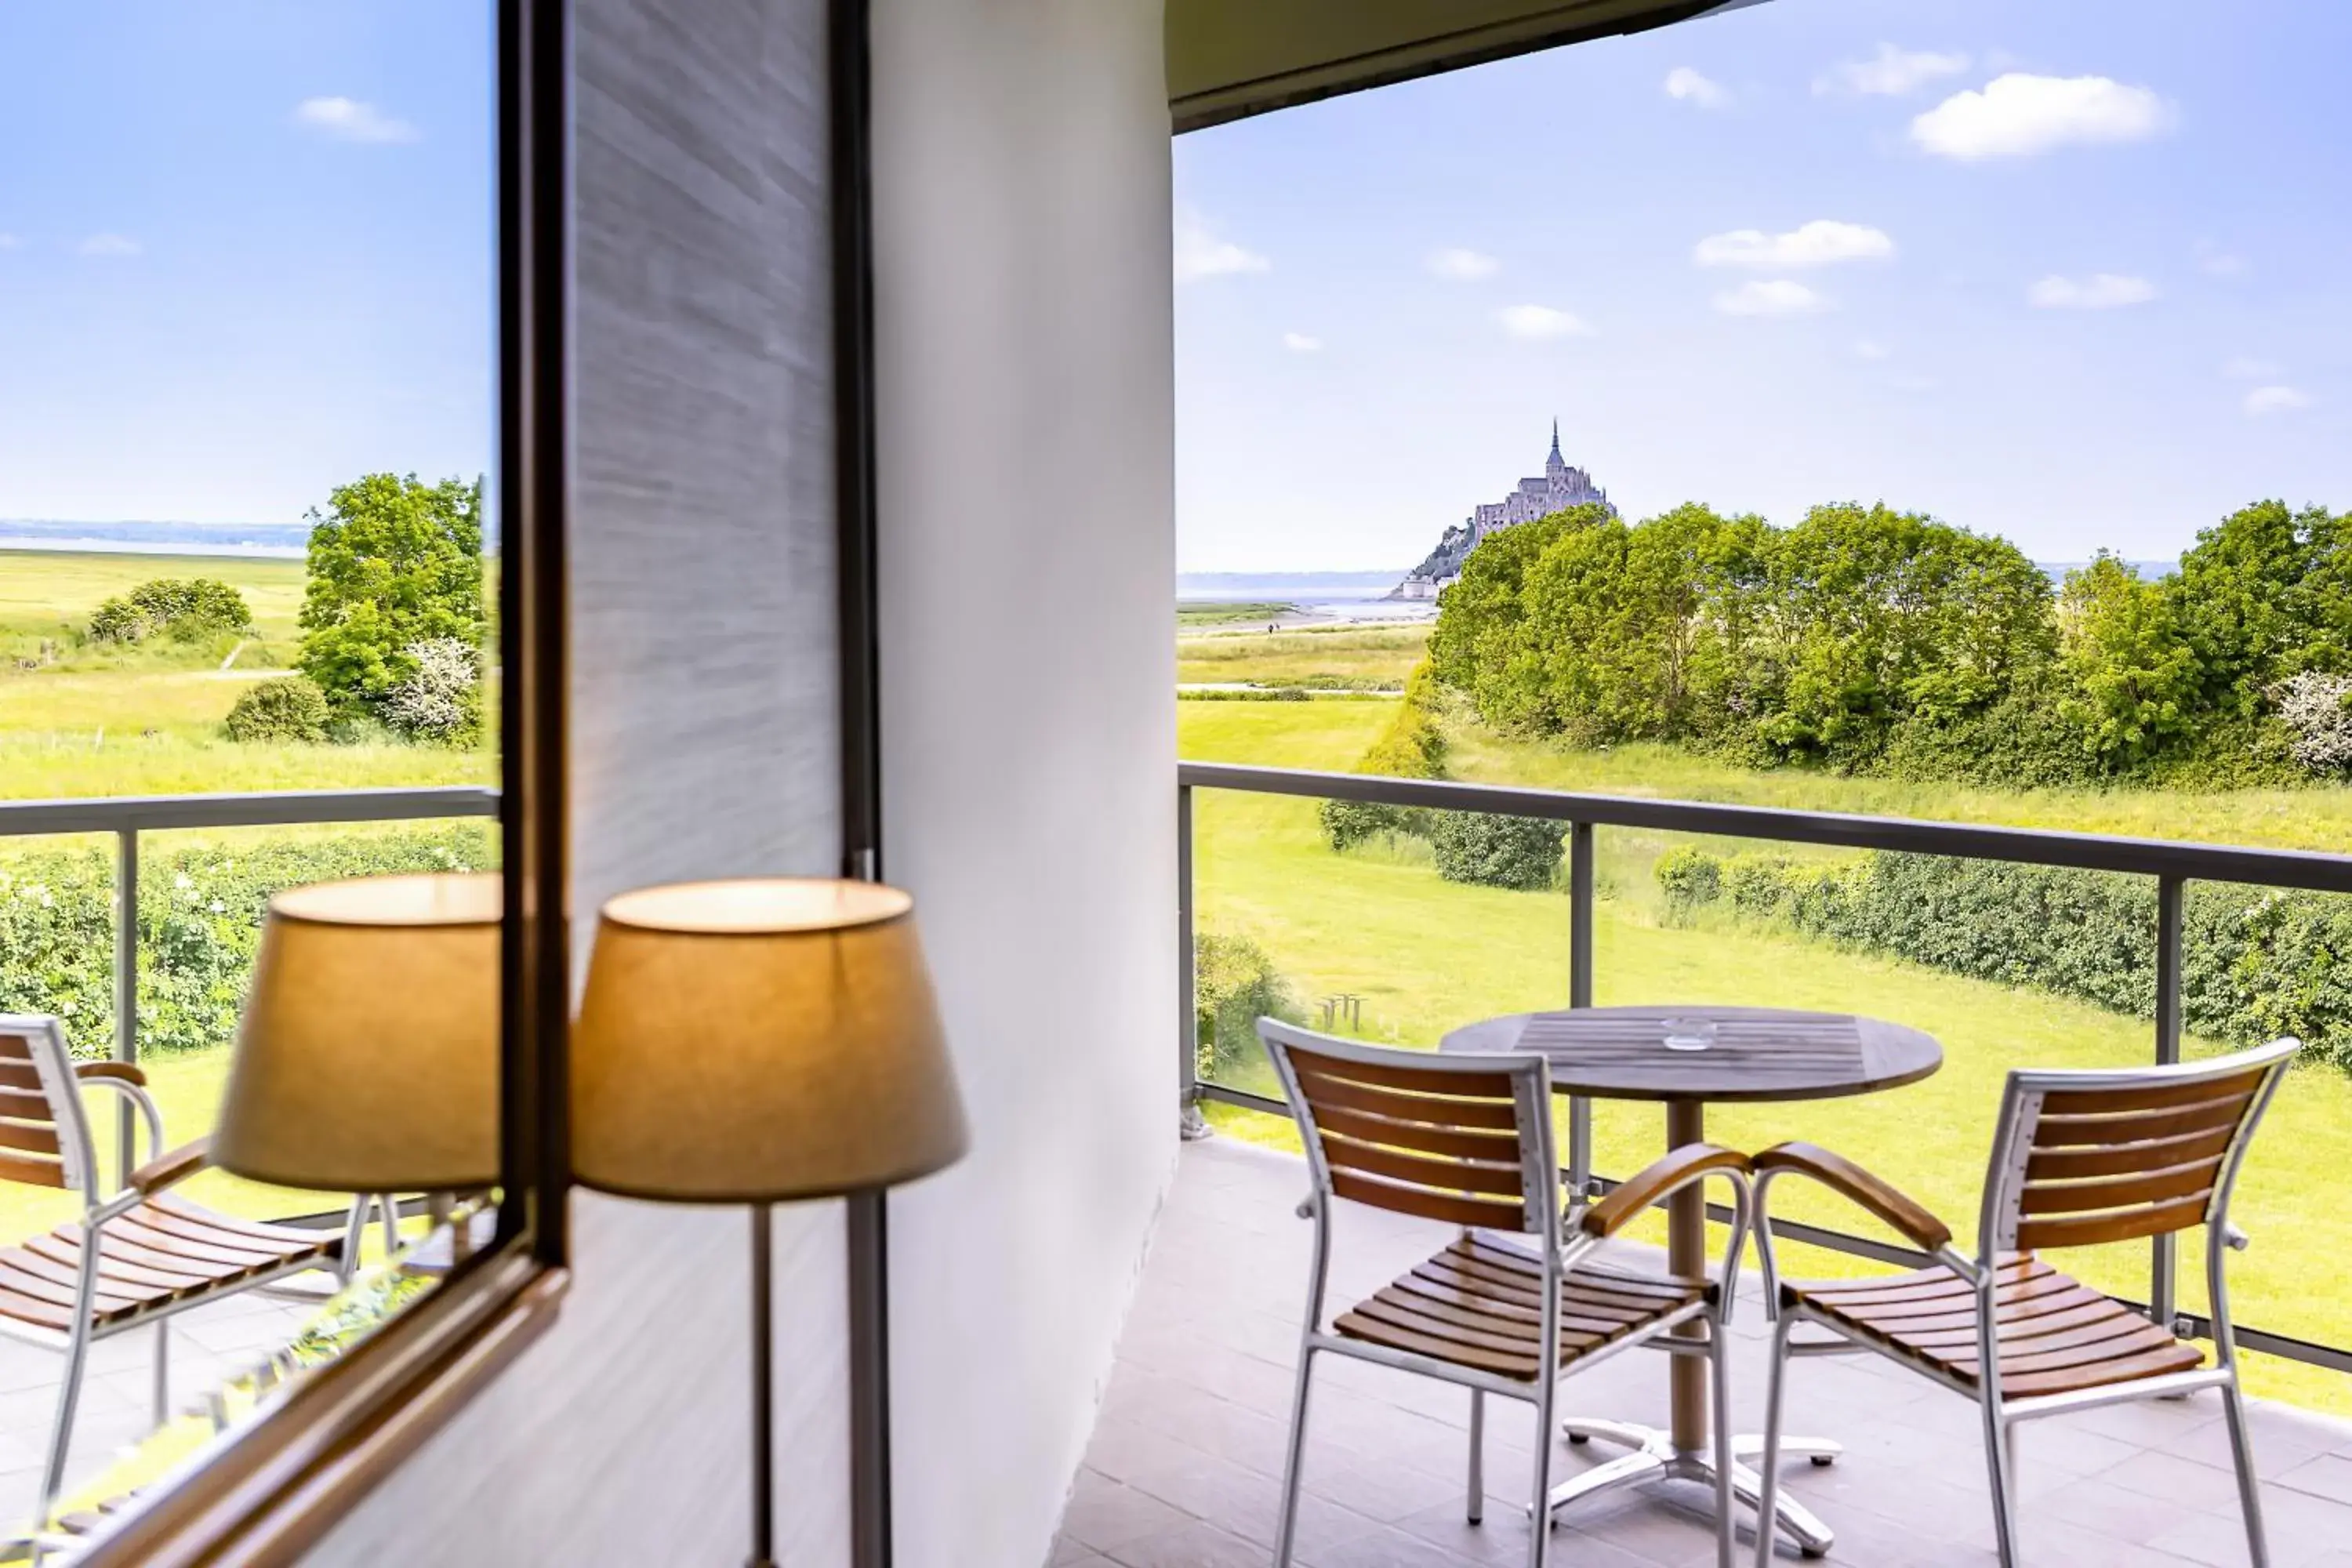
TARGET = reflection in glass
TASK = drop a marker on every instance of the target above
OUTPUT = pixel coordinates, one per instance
(248, 565)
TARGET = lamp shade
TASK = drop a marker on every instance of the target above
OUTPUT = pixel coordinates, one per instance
(760, 1040)
(368, 1057)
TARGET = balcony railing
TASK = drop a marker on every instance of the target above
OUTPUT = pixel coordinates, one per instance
(129, 816)
(2173, 864)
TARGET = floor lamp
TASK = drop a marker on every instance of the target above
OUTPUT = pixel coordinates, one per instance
(756, 1042)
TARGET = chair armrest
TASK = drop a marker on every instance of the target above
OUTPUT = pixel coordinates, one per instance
(1677, 1170)
(178, 1165)
(120, 1072)
(1849, 1180)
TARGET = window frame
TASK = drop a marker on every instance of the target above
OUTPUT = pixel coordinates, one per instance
(271, 1490)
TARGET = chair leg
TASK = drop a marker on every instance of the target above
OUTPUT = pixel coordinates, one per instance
(1539, 1515)
(1718, 1361)
(1478, 1508)
(162, 1370)
(1288, 1527)
(2000, 1459)
(1767, 1501)
(2250, 1488)
(53, 1474)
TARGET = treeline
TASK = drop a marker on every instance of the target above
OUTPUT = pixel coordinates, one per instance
(1866, 639)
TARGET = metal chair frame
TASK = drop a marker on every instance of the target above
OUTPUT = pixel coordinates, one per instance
(1997, 1232)
(45, 1041)
(1561, 1255)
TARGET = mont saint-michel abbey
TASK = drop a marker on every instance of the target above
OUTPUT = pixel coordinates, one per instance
(1557, 488)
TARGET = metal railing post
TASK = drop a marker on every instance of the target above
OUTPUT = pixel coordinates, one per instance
(1579, 995)
(126, 991)
(2163, 1260)
(1188, 1073)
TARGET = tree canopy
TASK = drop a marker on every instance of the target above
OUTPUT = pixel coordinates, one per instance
(393, 563)
(1865, 638)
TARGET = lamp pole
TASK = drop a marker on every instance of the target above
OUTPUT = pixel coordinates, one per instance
(763, 1414)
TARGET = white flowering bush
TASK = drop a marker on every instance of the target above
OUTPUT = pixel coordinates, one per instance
(199, 925)
(440, 698)
(2317, 711)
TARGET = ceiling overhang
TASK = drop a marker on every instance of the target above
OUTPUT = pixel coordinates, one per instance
(1231, 58)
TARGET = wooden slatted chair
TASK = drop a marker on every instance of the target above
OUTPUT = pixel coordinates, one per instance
(156, 1254)
(2078, 1159)
(1468, 1140)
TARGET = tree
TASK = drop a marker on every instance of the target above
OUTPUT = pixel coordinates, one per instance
(394, 562)
(188, 609)
(2131, 678)
(2265, 594)
(1480, 645)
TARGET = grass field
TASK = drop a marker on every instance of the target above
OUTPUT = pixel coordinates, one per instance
(1428, 954)
(1341, 658)
(91, 720)
(1228, 613)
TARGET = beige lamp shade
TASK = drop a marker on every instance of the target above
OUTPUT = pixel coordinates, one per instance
(757, 1041)
(368, 1057)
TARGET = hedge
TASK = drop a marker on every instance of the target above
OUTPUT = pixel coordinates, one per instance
(200, 911)
(2257, 964)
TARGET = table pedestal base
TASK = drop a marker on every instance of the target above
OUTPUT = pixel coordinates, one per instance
(1651, 1455)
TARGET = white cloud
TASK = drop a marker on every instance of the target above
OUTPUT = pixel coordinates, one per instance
(1300, 343)
(1769, 297)
(9, 242)
(1687, 86)
(349, 120)
(2244, 367)
(2267, 400)
(2100, 292)
(1463, 266)
(1201, 254)
(108, 245)
(1815, 244)
(2019, 115)
(1891, 73)
(1868, 349)
(1536, 323)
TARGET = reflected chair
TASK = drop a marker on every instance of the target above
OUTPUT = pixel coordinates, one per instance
(156, 1254)
(1468, 1140)
(2079, 1159)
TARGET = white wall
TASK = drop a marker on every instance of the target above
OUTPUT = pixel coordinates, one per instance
(1027, 569)
(705, 719)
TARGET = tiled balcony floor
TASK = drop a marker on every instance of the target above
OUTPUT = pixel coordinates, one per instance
(1184, 1466)
(210, 1345)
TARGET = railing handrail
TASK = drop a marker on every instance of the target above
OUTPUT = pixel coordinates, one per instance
(2178, 858)
(256, 808)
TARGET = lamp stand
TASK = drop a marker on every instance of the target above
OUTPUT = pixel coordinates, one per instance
(763, 1472)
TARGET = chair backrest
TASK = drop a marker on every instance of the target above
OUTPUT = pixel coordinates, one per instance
(1464, 1139)
(2085, 1157)
(43, 1127)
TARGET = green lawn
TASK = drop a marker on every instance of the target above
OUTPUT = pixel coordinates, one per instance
(1427, 955)
(1227, 612)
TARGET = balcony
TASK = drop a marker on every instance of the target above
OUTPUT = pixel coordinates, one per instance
(1185, 1466)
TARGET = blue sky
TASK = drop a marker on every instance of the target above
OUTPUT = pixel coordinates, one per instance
(247, 253)
(2080, 274)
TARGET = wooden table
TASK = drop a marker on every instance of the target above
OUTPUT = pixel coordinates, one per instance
(1757, 1054)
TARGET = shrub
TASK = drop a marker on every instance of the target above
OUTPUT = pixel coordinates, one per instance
(199, 925)
(2256, 963)
(1347, 823)
(1234, 983)
(1688, 876)
(2317, 711)
(185, 607)
(1411, 747)
(440, 698)
(287, 708)
(1519, 852)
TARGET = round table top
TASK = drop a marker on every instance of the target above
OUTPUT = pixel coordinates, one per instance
(1758, 1053)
